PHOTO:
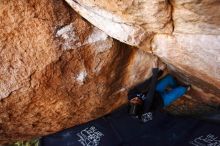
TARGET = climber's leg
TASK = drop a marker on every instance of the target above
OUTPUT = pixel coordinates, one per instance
(168, 80)
(170, 96)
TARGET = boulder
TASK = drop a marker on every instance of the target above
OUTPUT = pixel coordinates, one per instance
(184, 34)
(133, 22)
(194, 58)
(196, 17)
(57, 70)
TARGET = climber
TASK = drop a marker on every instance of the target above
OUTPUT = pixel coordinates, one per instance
(167, 91)
(141, 122)
(148, 96)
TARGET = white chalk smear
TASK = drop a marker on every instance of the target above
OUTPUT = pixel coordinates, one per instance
(71, 40)
(81, 77)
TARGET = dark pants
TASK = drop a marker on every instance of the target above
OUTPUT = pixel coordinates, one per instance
(119, 129)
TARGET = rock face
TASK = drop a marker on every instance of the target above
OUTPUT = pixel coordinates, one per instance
(133, 22)
(56, 70)
(196, 17)
(184, 34)
(198, 59)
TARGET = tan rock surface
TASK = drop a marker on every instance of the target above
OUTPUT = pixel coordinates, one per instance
(192, 47)
(196, 16)
(196, 56)
(57, 70)
(132, 22)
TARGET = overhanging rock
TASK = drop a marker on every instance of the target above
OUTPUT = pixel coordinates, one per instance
(185, 34)
(57, 70)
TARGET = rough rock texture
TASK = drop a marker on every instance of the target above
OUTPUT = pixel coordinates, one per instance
(196, 16)
(56, 70)
(133, 22)
(184, 34)
(197, 60)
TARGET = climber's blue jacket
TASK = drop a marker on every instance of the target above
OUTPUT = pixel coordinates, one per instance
(157, 129)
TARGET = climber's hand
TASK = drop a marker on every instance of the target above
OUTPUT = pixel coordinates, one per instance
(162, 66)
(158, 64)
(155, 63)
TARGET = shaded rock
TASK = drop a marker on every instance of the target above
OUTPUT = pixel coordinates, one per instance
(194, 57)
(58, 71)
(183, 33)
